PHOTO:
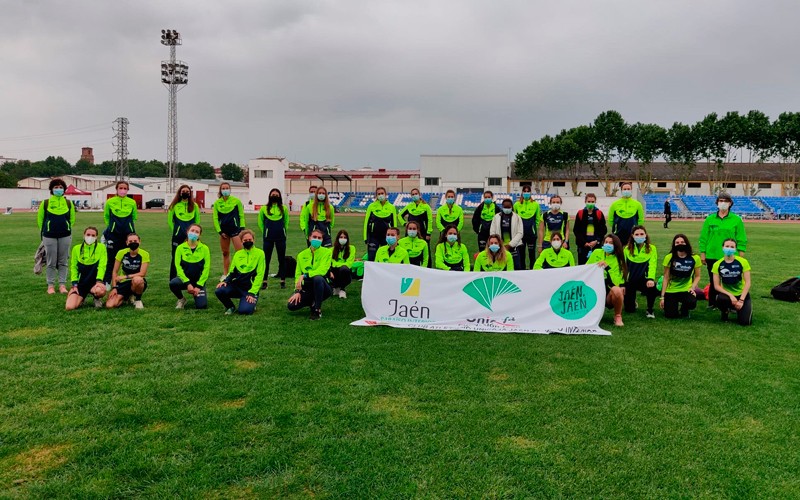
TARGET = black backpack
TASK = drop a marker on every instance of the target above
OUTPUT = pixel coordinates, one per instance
(289, 265)
(788, 291)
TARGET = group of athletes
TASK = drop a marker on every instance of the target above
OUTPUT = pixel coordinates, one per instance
(115, 264)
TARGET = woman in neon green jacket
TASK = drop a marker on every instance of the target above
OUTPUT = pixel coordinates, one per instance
(193, 264)
(611, 258)
(244, 280)
(183, 212)
(88, 264)
(451, 254)
(556, 255)
(273, 220)
(449, 214)
(641, 256)
(228, 223)
(311, 286)
(120, 215)
(342, 259)
(495, 257)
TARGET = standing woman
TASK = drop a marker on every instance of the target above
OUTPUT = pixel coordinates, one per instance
(128, 279)
(228, 222)
(244, 280)
(681, 276)
(304, 212)
(311, 285)
(509, 226)
(273, 221)
(55, 218)
(641, 257)
(451, 254)
(381, 215)
(391, 252)
(482, 218)
(667, 214)
(415, 245)
(419, 212)
(555, 256)
(88, 265)
(611, 259)
(342, 258)
(495, 257)
(732, 281)
(553, 220)
(625, 213)
(589, 228)
(531, 214)
(193, 264)
(717, 228)
(449, 214)
(120, 216)
(183, 212)
(321, 216)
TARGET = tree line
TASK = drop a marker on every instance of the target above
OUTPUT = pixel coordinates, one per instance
(52, 166)
(609, 145)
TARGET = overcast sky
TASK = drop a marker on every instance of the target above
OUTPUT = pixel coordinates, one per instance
(373, 83)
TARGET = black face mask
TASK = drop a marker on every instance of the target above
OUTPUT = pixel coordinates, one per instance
(247, 244)
(185, 195)
(681, 248)
(274, 199)
(133, 245)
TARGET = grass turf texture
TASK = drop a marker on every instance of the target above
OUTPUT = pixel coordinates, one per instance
(162, 402)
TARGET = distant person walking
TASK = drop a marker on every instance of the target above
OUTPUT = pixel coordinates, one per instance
(667, 214)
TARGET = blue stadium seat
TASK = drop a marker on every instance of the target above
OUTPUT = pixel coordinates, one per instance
(782, 205)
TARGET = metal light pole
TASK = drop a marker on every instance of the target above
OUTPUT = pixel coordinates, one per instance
(121, 143)
(174, 76)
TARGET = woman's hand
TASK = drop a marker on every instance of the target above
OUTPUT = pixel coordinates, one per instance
(661, 303)
(221, 284)
(651, 283)
(295, 298)
(602, 264)
(737, 303)
(250, 299)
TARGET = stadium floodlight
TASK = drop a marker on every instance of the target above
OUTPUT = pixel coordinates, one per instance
(174, 75)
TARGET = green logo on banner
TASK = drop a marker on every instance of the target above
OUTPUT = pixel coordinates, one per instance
(484, 290)
(573, 300)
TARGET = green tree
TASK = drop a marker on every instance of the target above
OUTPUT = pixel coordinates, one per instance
(572, 153)
(613, 141)
(786, 146)
(648, 141)
(7, 180)
(232, 172)
(204, 170)
(681, 152)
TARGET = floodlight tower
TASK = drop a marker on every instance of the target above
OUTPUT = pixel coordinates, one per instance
(174, 76)
(121, 143)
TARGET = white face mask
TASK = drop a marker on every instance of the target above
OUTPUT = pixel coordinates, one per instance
(724, 205)
(556, 244)
(90, 239)
(343, 241)
(555, 207)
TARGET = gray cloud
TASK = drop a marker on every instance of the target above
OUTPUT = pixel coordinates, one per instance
(378, 83)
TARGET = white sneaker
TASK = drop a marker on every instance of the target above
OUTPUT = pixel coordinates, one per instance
(180, 304)
(138, 304)
(651, 315)
(342, 294)
(336, 291)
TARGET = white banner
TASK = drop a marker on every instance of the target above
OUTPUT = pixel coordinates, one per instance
(570, 300)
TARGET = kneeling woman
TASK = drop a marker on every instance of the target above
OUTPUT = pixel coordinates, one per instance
(451, 254)
(495, 257)
(311, 285)
(391, 252)
(245, 277)
(732, 282)
(415, 244)
(128, 279)
(555, 256)
(192, 264)
(681, 276)
(342, 258)
(88, 266)
(642, 259)
(610, 257)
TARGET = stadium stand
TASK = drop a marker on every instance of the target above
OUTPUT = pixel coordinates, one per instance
(782, 206)
(699, 204)
(338, 199)
(743, 205)
(654, 203)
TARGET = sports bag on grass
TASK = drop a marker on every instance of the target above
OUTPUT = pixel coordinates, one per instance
(788, 291)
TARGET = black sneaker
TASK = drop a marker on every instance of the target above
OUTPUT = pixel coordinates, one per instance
(283, 285)
(724, 316)
(264, 285)
(315, 315)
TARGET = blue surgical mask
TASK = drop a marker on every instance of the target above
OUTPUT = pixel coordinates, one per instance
(321, 197)
(487, 201)
(193, 236)
(627, 193)
(316, 243)
(608, 248)
(639, 239)
(381, 197)
(415, 197)
(226, 192)
(506, 211)
(343, 241)
(494, 247)
(412, 233)
(452, 238)
(391, 240)
(310, 196)
(450, 201)
(728, 252)
(527, 196)
(58, 191)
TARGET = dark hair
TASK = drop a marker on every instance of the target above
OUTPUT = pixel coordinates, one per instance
(392, 228)
(618, 253)
(119, 183)
(443, 234)
(57, 182)
(489, 193)
(526, 187)
(723, 196)
(412, 222)
(448, 192)
(133, 234)
(502, 203)
(219, 191)
(177, 198)
(195, 225)
(379, 188)
(556, 233)
(502, 255)
(631, 243)
(622, 184)
(316, 230)
(588, 195)
(312, 187)
(326, 204)
(688, 244)
(731, 239)
(280, 200)
(337, 248)
(83, 242)
(560, 199)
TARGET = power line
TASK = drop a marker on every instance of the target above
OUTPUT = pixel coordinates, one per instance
(74, 131)
(57, 147)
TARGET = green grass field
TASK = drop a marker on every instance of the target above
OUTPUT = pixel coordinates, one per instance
(191, 403)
